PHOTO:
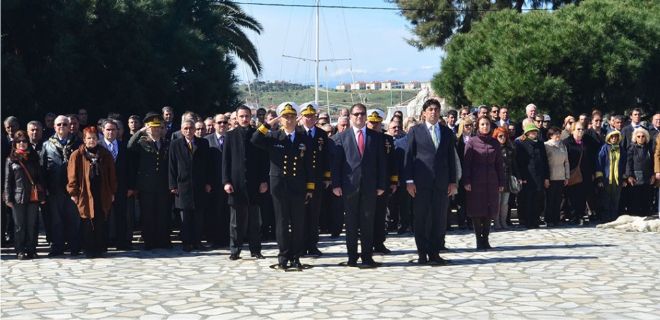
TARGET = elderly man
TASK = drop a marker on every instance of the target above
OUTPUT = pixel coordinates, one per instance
(342, 124)
(65, 221)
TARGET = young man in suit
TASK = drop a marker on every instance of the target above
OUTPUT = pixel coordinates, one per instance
(244, 177)
(190, 183)
(217, 213)
(430, 175)
(291, 181)
(359, 177)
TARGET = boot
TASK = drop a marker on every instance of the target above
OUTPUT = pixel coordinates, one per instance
(477, 233)
(486, 232)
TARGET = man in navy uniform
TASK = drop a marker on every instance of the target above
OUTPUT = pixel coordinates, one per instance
(374, 122)
(359, 177)
(430, 174)
(321, 167)
(291, 181)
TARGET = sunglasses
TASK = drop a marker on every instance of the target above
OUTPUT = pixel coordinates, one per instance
(62, 124)
(357, 114)
(221, 122)
(21, 141)
(501, 136)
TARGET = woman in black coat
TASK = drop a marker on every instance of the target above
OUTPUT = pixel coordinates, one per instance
(639, 173)
(22, 170)
(533, 169)
(581, 152)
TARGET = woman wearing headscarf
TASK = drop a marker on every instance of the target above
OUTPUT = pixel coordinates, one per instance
(22, 172)
(610, 171)
(92, 184)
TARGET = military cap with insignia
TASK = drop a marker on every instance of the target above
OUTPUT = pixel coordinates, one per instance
(153, 120)
(287, 108)
(308, 108)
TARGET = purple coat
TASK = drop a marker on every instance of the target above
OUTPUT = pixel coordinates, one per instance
(482, 169)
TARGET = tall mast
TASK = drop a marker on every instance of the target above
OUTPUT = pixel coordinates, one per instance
(316, 80)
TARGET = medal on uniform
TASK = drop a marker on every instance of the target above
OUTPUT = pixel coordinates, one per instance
(388, 146)
(302, 148)
(321, 144)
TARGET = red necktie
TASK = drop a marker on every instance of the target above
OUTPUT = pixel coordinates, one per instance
(360, 139)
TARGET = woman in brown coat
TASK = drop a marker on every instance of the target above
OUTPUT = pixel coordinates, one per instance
(92, 184)
(483, 176)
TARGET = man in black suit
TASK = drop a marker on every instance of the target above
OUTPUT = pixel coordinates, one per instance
(123, 231)
(291, 181)
(359, 177)
(430, 175)
(374, 121)
(170, 125)
(321, 167)
(217, 213)
(244, 177)
(190, 182)
(148, 181)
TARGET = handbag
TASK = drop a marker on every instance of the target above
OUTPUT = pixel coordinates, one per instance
(576, 174)
(515, 186)
(36, 193)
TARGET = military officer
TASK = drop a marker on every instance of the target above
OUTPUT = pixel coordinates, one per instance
(374, 122)
(321, 167)
(291, 181)
(147, 179)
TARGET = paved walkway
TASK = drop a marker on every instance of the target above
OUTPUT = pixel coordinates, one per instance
(579, 273)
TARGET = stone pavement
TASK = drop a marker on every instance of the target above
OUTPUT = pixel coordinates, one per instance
(579, 273)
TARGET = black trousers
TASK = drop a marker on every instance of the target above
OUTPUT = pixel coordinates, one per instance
(7, 224)
(394, 209)
(155, 211)
(336, 224)
(380, 222)
(530, 206)
(641, 200)
(430, 210)
(25, 221)
(553, 201)
(245, 222)
(577, 195)
(65, 223)
(290, 217)
(94, 234)
(192, 226)
(267, 214)
(312, 216)
(216, 226)
(360, 209)
(123, 223)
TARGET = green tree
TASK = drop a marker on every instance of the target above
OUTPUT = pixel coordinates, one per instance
(434, 22)
(122, 56)
(602, 53)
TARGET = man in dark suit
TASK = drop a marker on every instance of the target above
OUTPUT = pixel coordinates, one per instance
(148, 181)
(430, 175)
(217, 213)
(244, 177)
(374, 121)
(123, 231)
(170, 125)
(359, 177)
(190, 182)
(321, 167)
(291, 181)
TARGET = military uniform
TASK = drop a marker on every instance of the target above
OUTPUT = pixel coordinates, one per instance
(148, 175)
(291, 177)
(319, 151)
(392, 169)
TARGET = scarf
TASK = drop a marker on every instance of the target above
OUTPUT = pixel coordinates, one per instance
(21, 154)
(615, 155)
(65, 150)
(91, 154)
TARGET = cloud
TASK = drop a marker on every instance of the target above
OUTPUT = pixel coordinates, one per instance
(390, 70)
(427, 67)
(346, 71)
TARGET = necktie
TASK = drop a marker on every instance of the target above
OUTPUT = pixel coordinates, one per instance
(288, 136)
(111, 146)
(221, 140)
(360, 139)
(189, 146)
(434, 136)
(309, 132)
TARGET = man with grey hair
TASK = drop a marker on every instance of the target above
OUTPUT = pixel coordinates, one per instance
(186, 116)
(65, 221)
(35, 133)
(342, 124)
(11, 126)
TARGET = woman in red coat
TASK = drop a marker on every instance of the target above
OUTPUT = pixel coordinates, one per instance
(483, 178)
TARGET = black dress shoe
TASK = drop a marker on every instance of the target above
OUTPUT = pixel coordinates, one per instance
(370, 263)
(437, 261)
(55, 253)
(187, 247)
(314, 252)
(422, 259)
(234, 256)
(352, 263)
(295, 263)
(382, 249)
(258, 255)
(21, 256)
(443, 249)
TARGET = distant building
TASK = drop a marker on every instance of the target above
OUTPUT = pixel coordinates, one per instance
(425, 85)
(413, 85)
(373, 85)
(390, 84)
(343, 87)
(358, 85)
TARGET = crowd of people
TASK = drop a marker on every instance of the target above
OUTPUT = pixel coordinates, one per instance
(290, 174)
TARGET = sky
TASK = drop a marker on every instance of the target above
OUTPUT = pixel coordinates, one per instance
(374, 40)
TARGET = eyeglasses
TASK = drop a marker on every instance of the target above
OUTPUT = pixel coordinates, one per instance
(641, 137)
(538, 120)
(468, 125)
(501, 136)
(357, 114)
(221, 122)
(21, 141)
(62, 124)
